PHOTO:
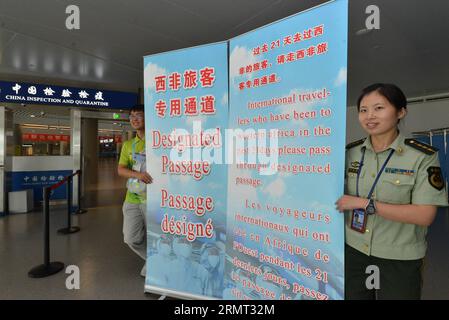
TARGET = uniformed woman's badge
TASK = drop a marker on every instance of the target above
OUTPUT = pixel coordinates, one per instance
(435, 177)
(355, 164)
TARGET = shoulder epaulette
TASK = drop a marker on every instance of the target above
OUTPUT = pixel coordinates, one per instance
(421, 146)
(355, 143)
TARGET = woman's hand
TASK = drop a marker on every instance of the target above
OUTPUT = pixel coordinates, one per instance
(350, 203)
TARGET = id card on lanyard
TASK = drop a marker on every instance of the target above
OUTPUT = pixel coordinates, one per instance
(359, 216)
(139, 159)
(135, 185)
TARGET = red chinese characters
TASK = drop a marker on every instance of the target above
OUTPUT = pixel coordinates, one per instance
(290, 57)
(175, 81)
(300, 54)
(188, 107)
(161, 107)
(307, 34)
(254, 67)
(161, 83)
(208, 104)
(311, 51)
(175, 107)
(297, 37)
(256, 51)
(190, 78)
(318, 31)
(187, 80)
(258, 82)
(264, 64)
(207, 77)
(281, 59)
(287, 40)
(43, 137)
(191, 107)
(322, 48)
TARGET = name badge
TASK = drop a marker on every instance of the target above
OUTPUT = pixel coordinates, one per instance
(400, 171)
(358, 220)
(139, 162)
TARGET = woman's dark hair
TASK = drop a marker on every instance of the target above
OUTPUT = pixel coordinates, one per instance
(137, 107)
(391, 92)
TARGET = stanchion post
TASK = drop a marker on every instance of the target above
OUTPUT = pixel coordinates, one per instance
(69, 202)
(48, 268)
(69, 228)
(79, 210)
(46, 196)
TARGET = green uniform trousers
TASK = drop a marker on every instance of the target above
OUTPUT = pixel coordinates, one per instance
(399, 279)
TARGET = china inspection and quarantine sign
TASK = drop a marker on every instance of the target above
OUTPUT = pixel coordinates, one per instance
(31, 93)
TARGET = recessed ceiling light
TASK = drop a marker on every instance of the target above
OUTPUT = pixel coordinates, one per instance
(32, 115)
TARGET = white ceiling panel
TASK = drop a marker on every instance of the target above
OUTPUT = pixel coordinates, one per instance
(410, 49)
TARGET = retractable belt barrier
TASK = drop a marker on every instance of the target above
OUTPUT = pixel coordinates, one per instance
(49, 268)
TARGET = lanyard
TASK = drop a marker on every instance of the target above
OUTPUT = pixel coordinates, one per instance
(134, 149)
(378, 174)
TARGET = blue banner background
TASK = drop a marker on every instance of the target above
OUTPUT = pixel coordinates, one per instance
(194, 275)
(310, 192)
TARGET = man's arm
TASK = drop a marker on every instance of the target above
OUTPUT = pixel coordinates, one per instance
(123, 171)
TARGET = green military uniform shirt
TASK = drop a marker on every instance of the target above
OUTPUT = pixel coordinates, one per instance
(126, 159)
(412, 176)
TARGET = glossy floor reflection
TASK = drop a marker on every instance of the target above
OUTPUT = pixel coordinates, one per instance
(108, 268)
(109, 189)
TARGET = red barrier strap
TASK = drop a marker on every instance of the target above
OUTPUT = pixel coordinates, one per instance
(60, 183)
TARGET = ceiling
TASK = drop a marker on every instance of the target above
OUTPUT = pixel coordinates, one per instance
(411, 48)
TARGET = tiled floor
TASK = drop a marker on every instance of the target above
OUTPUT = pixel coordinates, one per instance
(108, 268)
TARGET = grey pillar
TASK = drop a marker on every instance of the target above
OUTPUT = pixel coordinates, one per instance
(90, 150)
(6, 152)
(75, 150)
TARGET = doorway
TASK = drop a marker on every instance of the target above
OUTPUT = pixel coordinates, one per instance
(97, 140)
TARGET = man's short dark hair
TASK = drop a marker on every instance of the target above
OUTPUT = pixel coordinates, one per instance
(136, 108)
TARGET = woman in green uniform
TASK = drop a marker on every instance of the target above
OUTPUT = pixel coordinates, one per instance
(393, 188)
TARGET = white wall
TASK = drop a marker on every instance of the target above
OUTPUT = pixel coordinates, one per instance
(41, 163)
(420, 117)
